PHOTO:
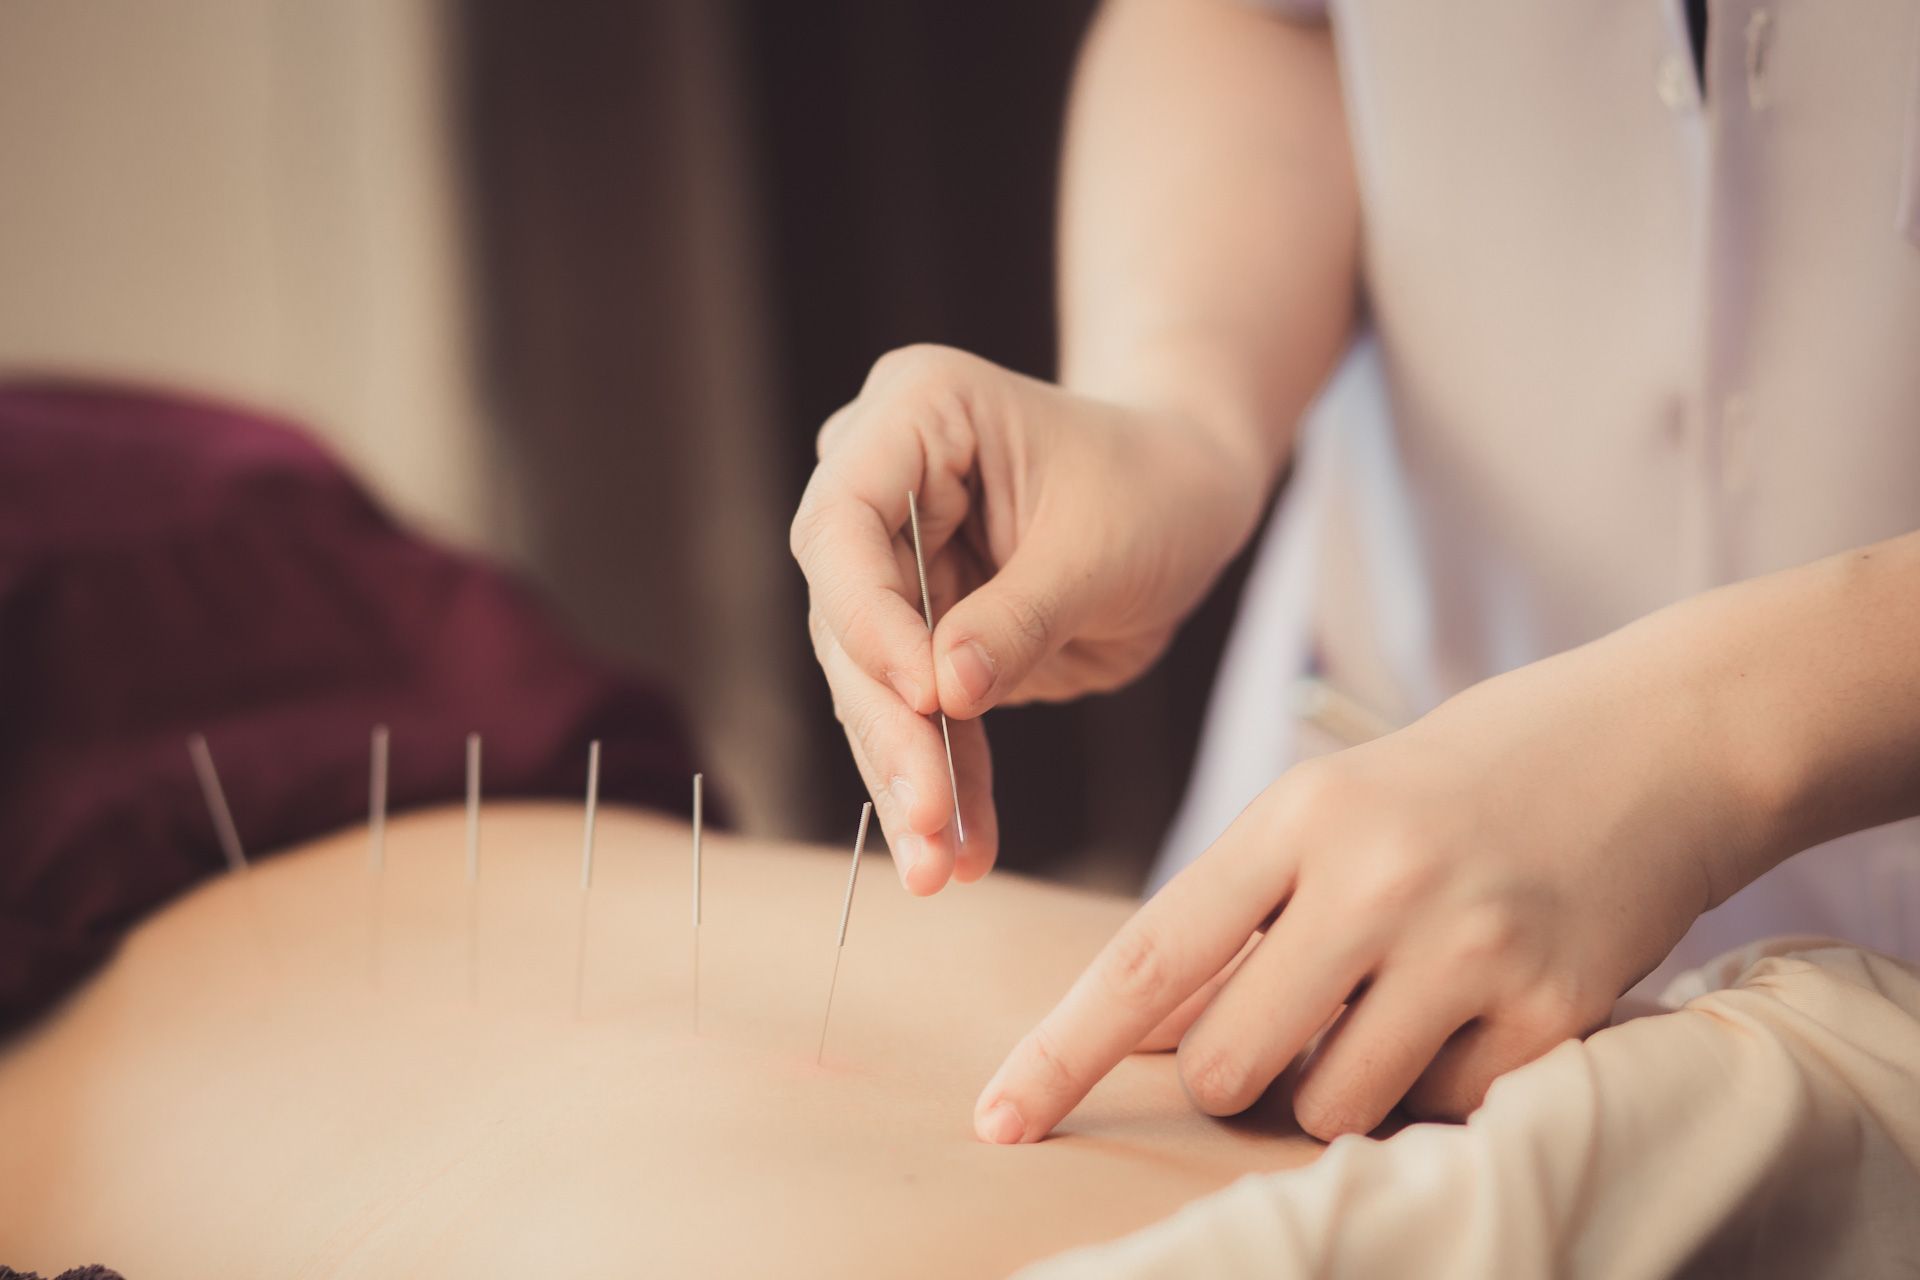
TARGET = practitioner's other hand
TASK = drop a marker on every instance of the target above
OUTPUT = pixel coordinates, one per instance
(1454, 899)
(1065, 539)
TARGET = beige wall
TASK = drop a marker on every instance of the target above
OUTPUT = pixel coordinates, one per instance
(264, 199)
(253, 198)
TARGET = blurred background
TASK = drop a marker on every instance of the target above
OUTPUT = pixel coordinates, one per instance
(574, 285)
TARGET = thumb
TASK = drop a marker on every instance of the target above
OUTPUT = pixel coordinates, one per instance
(990, 641)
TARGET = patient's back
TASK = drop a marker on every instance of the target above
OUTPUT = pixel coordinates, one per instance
(312, 1070)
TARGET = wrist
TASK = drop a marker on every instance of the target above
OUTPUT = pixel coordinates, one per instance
(1745, 760)
(1818, 667)
(1212, 492)
(1205, 400)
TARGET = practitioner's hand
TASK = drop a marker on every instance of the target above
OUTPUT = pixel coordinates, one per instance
(1464, 894)
(1065, 539)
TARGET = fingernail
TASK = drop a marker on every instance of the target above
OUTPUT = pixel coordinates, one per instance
(903, 796)
(907, 852)
(972, 666)
(1001, 1126)
(906, 686)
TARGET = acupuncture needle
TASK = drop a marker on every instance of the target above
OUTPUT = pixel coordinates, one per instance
(473, 864)
(229, 835)
(840, 943)
(216, 802)
(586, 872)
(926, 607)
(697, 778)
(376, 844)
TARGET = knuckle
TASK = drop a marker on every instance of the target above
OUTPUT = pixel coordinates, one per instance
(821, 635)
(1396, 874)
(932, 388)
(1332, 1113)
(916, 364)
(865, 635)
(1029, 616)
(1135, 969)
(1556, 1009)
(1308, 791)
(1484, 935)
(1047, 1066)
(823, 438)
(803, 534)
(863, 720)
(1217, 1079)
(855, 610)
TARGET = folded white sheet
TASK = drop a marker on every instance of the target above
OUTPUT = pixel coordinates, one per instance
(1767, 1124)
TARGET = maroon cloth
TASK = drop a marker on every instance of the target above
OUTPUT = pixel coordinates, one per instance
(170, 566)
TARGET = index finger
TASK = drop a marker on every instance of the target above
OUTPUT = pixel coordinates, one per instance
(1173, 945)
(843, 538)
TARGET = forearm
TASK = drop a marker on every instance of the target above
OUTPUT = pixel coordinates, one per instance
(1209, 223)
(1811, 683)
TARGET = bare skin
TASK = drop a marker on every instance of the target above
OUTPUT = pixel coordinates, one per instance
(237, 1095)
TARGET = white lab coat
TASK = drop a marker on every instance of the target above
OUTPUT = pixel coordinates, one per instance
(1626, 343)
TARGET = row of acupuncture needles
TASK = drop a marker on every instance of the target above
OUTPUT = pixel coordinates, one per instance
(229, 838)
(236, 858)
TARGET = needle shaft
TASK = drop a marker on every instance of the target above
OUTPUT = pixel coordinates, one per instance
(229, 835)
(473, 865)
(840, 942)
(926, 608)
(376, 845)
(473, 807)
(586, 875)
(377, 802)
(593, 805)
(216, 802)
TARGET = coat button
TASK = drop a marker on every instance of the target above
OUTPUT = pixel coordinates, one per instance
(1675, 83)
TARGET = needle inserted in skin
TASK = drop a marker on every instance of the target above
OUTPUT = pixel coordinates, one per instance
(926, 607)
(216, 802)
(376, 843)
(473, 807)
(216, 798)
(586, 871)
(473, 863)
(840, 943)
(223, 826)
(696, 902)
(377, 803)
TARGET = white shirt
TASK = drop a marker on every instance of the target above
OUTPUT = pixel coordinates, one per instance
(1627, 343)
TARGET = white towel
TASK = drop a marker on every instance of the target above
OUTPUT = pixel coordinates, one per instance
(1767, 1126)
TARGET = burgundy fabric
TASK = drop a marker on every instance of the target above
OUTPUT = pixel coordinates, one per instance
(170, 566)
